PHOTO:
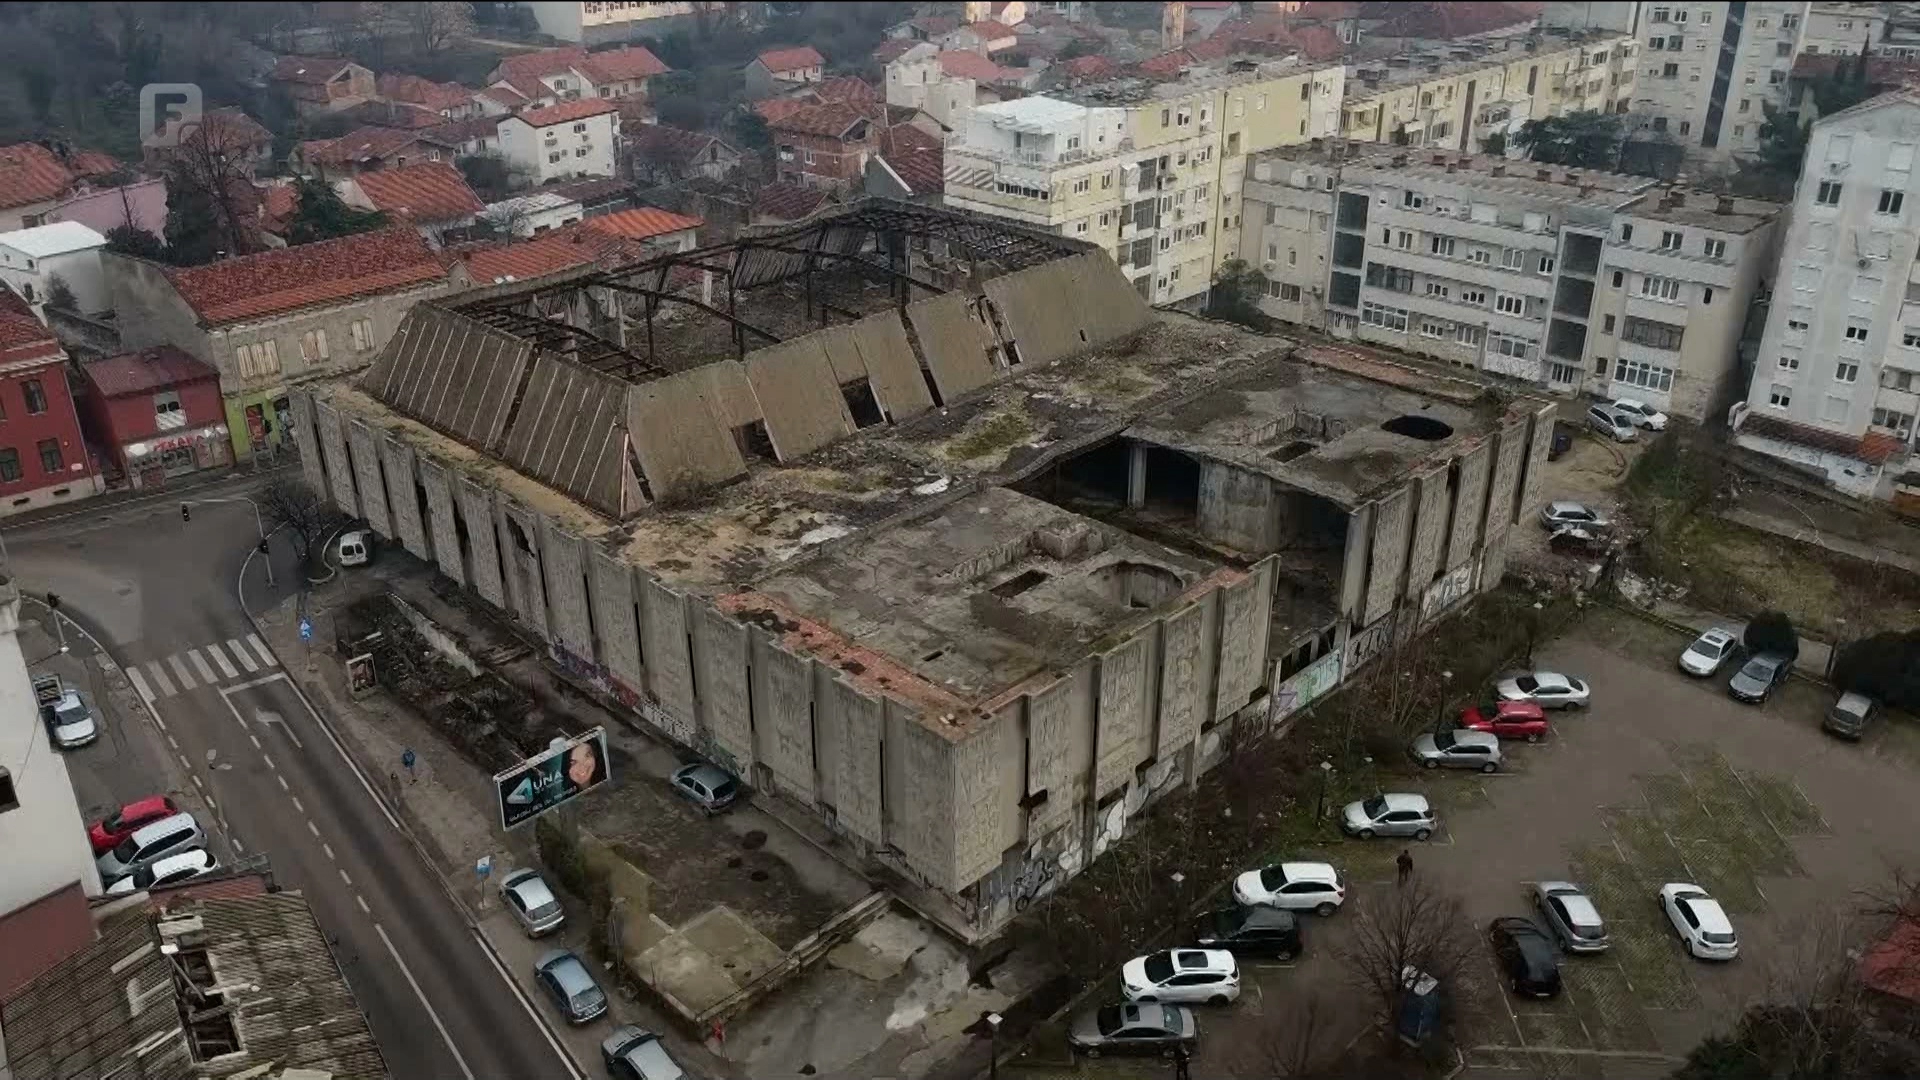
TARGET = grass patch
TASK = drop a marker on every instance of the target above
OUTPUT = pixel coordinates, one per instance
(1645, 844)
(1560, 1030)
(1642, 943)
(1785, 805)
(1000, 432)
(1612, 1012)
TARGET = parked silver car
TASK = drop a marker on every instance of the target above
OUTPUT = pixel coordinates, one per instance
(1132, 1029)
(568, 982)
(149, 844)
(710, 787)
(1563, 512)
(532, 902)
(70, 723)
(1459, 749)
(1389, 815)
(634, 1053)
(1570, 914)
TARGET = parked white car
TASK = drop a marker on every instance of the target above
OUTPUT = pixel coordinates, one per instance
(1182, 976)
(1293, 886)
(1708, 651)
(1547, 689)
(1698, 919)
(1641, 413)
(171, 870)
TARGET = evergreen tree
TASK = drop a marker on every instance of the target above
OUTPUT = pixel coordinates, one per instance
(194, 232)
(323, 216)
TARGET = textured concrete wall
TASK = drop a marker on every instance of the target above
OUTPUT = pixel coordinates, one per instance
(1392, 519)
(1124, 738)
(1185, 687)
(1432, 520)
(919, 809)
(1533, 481)
(987, 767)
(521, 539)
(615, 616)
(1469, 503)
(403, 495)
(1493, 564)
(364, 449)
(483, 537)
(720, 671)
(1508, 457)
(663, 639)
(854, 765)
(443, 514)
(333, 446)
(570, 614)
(783, 717)
(1246, 609)
(1060, 746)
(954, 343)
(1353, 573)
(306, 437)
(1237, 508)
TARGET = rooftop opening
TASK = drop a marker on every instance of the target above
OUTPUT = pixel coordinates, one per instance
(1137, 584)
(1424, 428)
(1292, 450)
(1018, 584)
(203, 1010)
(861, 403)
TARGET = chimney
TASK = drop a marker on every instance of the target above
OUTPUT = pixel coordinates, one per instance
(1399, 161)
(1543, 174)
(1724, 205)
(1676, 197)
(1453, 167)
(1500, 170)
(1570, 178)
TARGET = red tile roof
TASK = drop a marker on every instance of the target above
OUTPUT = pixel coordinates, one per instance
(308, 70)
(414, 90)
(1090, 67)
(147, 371)
(1883, 72)
(773, 109)
(935, 25)
(961, 64)
(1166, 65)
(917, 158)
(827, 121)
(230, 128)
(566, 112)
(1438, 20)
(890, 49)
(278, 204)
(1877, 446)
(88, 163)
(665, 143)
(39, 934)
(1892, 965)
(400, 115)
(555, 253)
(505, 95)
(592, 191)
(641, 223)
(620, 65)
(787, 202)
(991, 29)
(29, 173)
(797, 58)
(1313, 41)
(307, 275)
(22, 336)
(847, 89)
(362, 144)
(430, 192)
(460, 131)
(541, 62)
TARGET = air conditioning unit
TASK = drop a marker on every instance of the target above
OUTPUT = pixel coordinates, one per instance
(1267, 265)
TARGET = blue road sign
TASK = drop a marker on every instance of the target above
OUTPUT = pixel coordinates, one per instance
(407, 758)
(306, 629)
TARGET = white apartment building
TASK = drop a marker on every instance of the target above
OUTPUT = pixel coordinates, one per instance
(1705, 69)
(1149, 171)
(564, 141)
(30, 260)
(1836, 385)
(918, 79)
(1566, 280)
(1845, 29)
(40, 826)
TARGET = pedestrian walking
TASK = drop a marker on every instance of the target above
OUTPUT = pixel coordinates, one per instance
(1404, 864)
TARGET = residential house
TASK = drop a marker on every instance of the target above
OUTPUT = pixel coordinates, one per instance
(431, 196)
(663, 154)
(228, 132)
(985, 37)
(560, 142)
(910, 166)
(272, 320)
(659, 230)
(1570, 281)
(142, 205)
(319, 84)
(596, 194)
(782, 202)
(946, 85)
(1836, 384)
(552, 257)
(776, 71)
(391, 114)
(51, 871)
(33, 260)
(545, 77)
(923, 28)
(622, 72)
(43, 461)
(499, 100)
(157, 413)
(594, 22)
(450, 101)
(32, 182)
(824, 146)
(529, 215)
(365, 150)
(478, 135)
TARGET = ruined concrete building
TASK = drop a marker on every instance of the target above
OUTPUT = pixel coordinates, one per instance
(925, 524)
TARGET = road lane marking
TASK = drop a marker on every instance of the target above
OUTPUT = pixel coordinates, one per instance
(566, 1060)
(200, 665)
(328, 848)
(240, 653)
(238, 847)
(296, 798)
(266, 654)
(160, 678)
(255, 739)
(270, 763)
(199, 783)
(180, 672)
(173, 742)
(220, 658)
(314, 829)
(283, 781)
(425, 1004)
(362, 901)
(139, 684)
(345, 879)
(360, 775)
(185, 764)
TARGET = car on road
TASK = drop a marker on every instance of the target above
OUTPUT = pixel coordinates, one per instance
(1561, 513)
(1254, 930)
(1293, 886)
(1755, 680)
(1389, 814)
(1527, 955)
(70, 723)
(1458, 749)
(1547, 689)
(634, 1053)
(568, 982)
(354, 548)
(1570, 914)
(149, 844)
(710, 787)
(1507, 719)
(171, 870)
(1708, 652)
(1699, 920)
(1182, 975)
(1133, 1029)
(1614, 425)
(117, 826)
(1641, 413)
(1851, 715)
(532, 903)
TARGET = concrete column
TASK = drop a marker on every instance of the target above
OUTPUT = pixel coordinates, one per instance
(1136, 477)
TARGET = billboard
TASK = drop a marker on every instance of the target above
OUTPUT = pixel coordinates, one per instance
(541, 783)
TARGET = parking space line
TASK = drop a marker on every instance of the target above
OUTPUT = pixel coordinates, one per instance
(200, 665)
(283, 781)
(180, 672)
(199, 783)
(160, 678)
(240, 653)
(328, 848)
(139, 684)
(296, 799)
(314, 829)
(362, 901)
(220, 658)
(255, 739)
(266, 654)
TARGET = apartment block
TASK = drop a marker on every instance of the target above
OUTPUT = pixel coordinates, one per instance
(1836, 385)
(1706, 69)
(1565, 280)
(1148, 170)
(1454, 98)
(1827, 29)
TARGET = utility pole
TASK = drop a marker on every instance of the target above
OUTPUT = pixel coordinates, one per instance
(259, 525)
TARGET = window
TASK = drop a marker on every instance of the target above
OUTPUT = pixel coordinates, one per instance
(1903, 381)
(1384, 317)
(1789, 363)
(166, 411)
(313, 346)
(1504, 345)
(1404, 241)
(1513, 258)
(35, 395)
(1626, 234)
(1891, 201)
(50, 462)
(1686, 126)
(1437, 290)
(1715, 249)
(1481, 256)
(362, 335)
(1654, 335)
(258, 359)
(1413, 200)
(1434, 330)
(1745, 104)
(1796, 325)
(1669, 240)
(1619, 279)
(1290, 293)
(1659, 288)
(1856, 332)
(1467, 335)
(1441, 245)
(1865, 287)
(1899, 423)
(1846, 371)
(1643, 375)
(1546, 264)
(9, 464)
(1082, 185)
(1669, 71)
(1828, 194)
(1606, 324)
(1509, 304)
(1779, 396)
(1900, 157)
(1293, 257)
(1909, 338)
(553, 157)
(1474, 296)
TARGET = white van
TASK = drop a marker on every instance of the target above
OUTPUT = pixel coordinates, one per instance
(149, 844)
(354, 548)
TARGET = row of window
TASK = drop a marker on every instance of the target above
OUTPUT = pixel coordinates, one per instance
(33, 394)
(1890, 203)
(1846, 371)
(554, 158)
(1644, 375)
(52, 462)
(262, 358)
(1672, 240)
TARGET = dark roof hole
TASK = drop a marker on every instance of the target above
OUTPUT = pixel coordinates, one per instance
(1424, 428)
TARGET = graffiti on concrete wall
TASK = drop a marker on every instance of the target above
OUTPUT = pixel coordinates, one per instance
(1364, 645)
(1306, 684)
(610, 685)
(1454, 586)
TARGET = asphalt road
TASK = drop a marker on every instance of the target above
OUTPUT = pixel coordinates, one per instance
(159, 593)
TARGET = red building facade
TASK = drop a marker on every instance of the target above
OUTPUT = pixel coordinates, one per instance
(157, 414)
(43, 458)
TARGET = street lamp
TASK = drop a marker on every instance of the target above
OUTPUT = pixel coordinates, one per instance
(1326, 777)
(993, 1036)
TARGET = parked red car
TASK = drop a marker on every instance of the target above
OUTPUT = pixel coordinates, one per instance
(106, 835)
(1507, 719)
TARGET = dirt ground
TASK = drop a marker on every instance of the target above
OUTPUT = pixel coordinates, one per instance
(1590, 472)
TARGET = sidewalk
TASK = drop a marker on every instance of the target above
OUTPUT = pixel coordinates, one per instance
(1814, 655)
(179, 491)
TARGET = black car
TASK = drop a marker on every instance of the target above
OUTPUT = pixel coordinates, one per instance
(1528, 955)
(1250, 931)
(1755, 680)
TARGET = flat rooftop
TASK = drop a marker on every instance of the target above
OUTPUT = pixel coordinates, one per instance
(1226, 71)
(1375, 161)
(1460, 57)
(1707, 209)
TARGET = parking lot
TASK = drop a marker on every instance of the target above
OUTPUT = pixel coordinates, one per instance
(1663, 779)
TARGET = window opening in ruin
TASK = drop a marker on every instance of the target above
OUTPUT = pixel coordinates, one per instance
(203, 1010)
(861, 403)
(1424, 428)
(1018, 584)
(1173, 481)
(1292, 450)
(754, 441)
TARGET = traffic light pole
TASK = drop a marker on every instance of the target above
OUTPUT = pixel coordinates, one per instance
(259, 524)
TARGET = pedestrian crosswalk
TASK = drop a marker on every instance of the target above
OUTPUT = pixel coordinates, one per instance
(202, 665)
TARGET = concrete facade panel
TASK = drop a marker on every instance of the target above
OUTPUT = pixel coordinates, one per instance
(1060, 746)
(484, 565)
(1237, 508)
(1353, 572)
(1509, 454)
(1469, 503)
(615, 616)
(663, 640)
(956, 347)
(333, 446)
(892, 370)
(563, 557)
(920, 810)
(1392, 519)
(1123, 740)
(312, 469)
(856, 761)
(403, 495)
(987, 768)
(804, 408)
(720, 667)
(677, 434)
(1533, 480)
(1245, 609)
(520, 544)
(1184, 686)
(783, 717)
(364, 449)
(443, 515)
(1432, 520)
(1493, 565)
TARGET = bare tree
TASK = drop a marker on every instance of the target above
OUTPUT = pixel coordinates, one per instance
(435, 24)
(288, 503)
(1304, 1042)
(1412, 928)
